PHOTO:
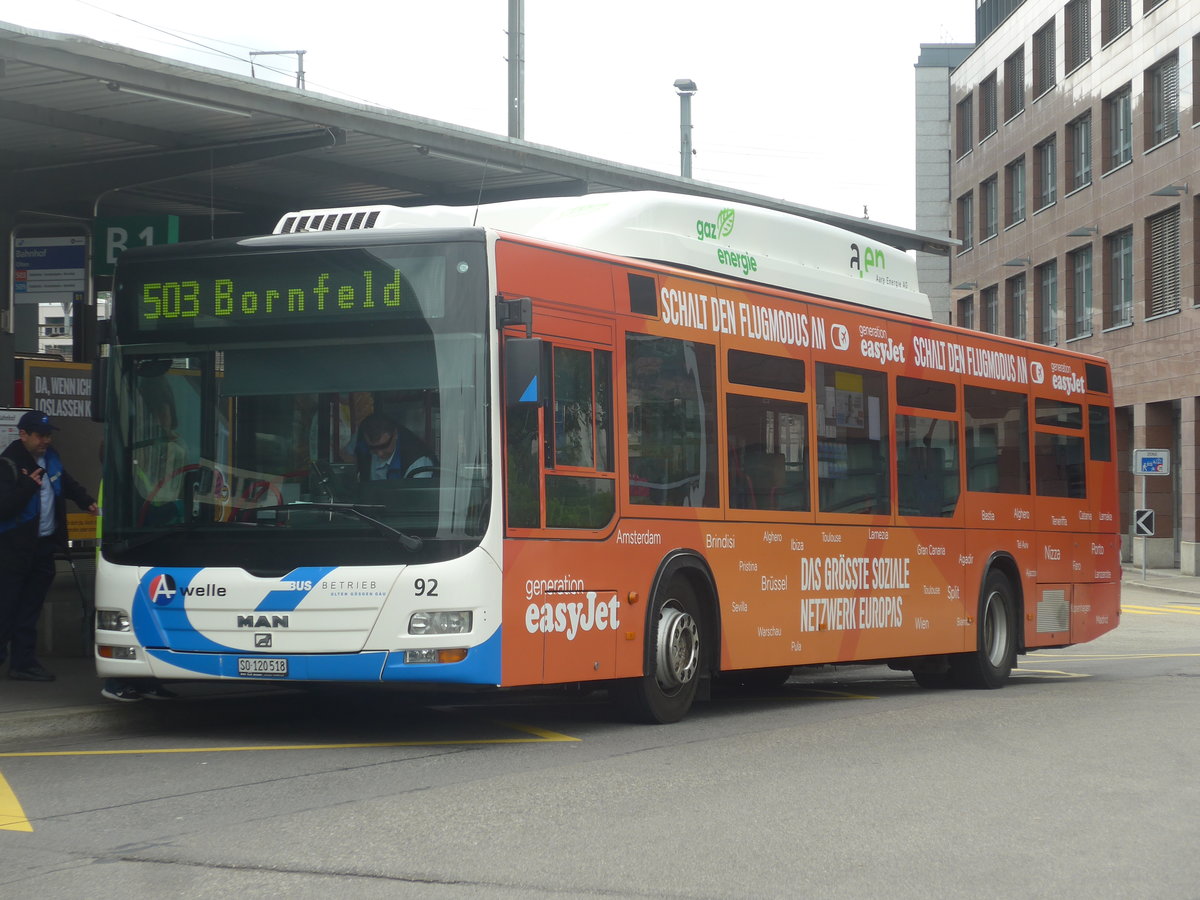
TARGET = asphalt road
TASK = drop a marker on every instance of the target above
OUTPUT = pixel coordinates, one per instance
(1079, 779)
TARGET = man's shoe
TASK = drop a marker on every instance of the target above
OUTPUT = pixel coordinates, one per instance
(159, 693)
(124, 693)
(31, 673)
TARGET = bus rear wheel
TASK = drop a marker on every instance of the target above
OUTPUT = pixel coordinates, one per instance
(995, 653)
(664, 693)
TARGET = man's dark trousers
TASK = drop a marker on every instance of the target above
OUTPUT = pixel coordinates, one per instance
(24, 581)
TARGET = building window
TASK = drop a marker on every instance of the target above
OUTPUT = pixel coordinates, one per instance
(1078, 33)
(1016, 307)
(989, 309)
(1079, 133)
(1115, 19)
(1152, 4)
(1118, 128)
(989, 203)
(966, 220)
(964, 128)
(1162, 293)
(987, 106)
(1014, 191)
(1119, 250)
(1047, 302)
(1046, 173)
(1014, 84)
(966, 312)
(1162, 95)
(1043, 59)
(1079, 314)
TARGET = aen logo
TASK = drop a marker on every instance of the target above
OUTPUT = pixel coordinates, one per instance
(866, 260)
(161, 589)
(721, 228)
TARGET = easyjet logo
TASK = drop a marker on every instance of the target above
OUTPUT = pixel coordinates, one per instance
(571, 617)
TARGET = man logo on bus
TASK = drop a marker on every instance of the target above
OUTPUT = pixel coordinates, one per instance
(1037, 373)
(871, 259)
(162, 589)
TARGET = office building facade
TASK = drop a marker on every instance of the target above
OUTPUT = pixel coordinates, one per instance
(1074, 172)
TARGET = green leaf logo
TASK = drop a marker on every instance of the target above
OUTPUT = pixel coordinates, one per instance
(725, 223)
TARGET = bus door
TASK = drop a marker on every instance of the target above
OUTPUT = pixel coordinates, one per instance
(561, 610)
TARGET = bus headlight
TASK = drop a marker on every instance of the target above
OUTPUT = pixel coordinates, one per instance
(440, 621)
(112, 620)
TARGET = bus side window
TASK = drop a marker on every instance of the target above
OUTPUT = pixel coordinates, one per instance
(578, 495)
(1059, 465)
(853, 469)
(997, 448)
(927, 466)
(672, 434)
(768, 453)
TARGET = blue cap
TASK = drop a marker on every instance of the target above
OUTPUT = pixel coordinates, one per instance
(36, 421)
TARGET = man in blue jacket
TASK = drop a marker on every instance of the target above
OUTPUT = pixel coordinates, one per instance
(34, 488)
(387, 450)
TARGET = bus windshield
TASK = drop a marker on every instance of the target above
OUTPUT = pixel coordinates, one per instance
(271, 454)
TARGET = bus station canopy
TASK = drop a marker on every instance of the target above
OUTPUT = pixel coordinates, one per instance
(92, 129)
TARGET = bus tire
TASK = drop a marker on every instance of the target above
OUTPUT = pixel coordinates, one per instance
(995, 653)
(665, 691)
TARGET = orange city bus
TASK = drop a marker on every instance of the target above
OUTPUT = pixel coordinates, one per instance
(638, 439)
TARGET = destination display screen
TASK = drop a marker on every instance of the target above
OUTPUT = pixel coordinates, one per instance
(169, 298)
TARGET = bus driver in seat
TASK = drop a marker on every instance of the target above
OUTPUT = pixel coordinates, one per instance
(388, 450)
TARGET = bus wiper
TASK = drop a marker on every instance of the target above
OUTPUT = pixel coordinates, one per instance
(131, 543)
(407, 541)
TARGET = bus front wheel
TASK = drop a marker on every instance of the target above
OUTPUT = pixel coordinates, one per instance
(664, 693)
(995, 653)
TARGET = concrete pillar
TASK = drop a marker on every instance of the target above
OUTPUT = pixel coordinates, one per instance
(1154, 427)
(1188, 471)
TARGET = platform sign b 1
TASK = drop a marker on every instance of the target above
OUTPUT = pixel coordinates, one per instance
(1151, 462)
(115, 235)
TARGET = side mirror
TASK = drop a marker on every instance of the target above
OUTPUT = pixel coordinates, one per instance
(100, 370)
(99, 388)
(524, 380)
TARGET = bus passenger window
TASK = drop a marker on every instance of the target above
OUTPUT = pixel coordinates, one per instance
(768, 454)
(582, 404)
(997, 428)
(926, 466)
(1100, 434)
(1061, 471)
(925, 394)
(574, 416)
(1059, 462)
(853, 469)
(672, 438)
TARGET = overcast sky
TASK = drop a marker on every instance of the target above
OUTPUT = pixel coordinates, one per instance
(799, 99)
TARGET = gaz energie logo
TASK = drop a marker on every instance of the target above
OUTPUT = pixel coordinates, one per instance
(723, 228)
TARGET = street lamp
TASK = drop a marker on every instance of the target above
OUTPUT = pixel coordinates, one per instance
(686, 87)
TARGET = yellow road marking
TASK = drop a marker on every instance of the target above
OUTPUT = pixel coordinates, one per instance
(12, 817)
(1159, 610)
(536, 736)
